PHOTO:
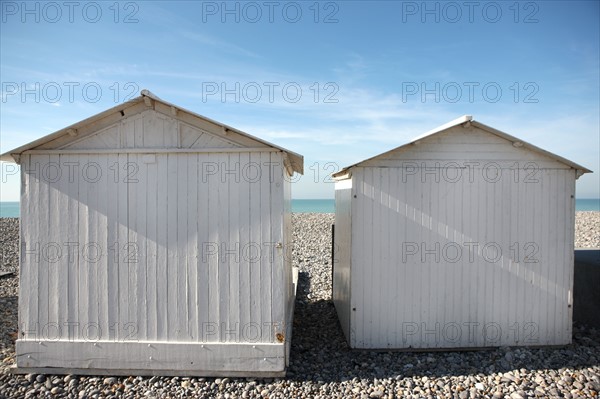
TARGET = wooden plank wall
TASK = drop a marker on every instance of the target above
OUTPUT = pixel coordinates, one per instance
(152, 247)
(343, 253)
(410, 288)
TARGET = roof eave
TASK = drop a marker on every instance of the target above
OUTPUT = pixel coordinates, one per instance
(296, 161)
(580, 169)
(9, 156)
(466, 120)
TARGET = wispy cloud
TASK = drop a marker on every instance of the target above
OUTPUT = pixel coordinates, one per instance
(217, 44)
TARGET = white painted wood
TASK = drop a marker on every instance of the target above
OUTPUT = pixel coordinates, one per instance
(191, 247)
(27, 277)
(161, 322)
(172, 265)
(102, 266)
(342, 252)
(255, 236)
(242, 203)
(113, 180)
(266, 245)
(146, 372)
(425, 299)
(152, 355)
(279, 301)
(149, 150)
(41, 242)
(152, 249)
(168, 206)
(181, 300)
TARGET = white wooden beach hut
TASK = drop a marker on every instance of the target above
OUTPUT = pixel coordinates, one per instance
(152, 242)
(462, 238)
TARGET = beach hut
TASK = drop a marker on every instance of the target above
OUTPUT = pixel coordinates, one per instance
(153, 241)
(462, 238)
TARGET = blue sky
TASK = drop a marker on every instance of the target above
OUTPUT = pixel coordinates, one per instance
(335, 81)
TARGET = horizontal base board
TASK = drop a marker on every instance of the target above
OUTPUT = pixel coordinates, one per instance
(457, 349)
(152, 358)
(145, 373)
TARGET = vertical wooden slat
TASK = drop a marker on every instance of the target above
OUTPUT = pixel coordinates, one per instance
(266, 247)
(569, 251)
(554, 253)
(54, 242)
(277, 274)
(120, 249)
(62, 267)
(379, 241)
(152, 247)
(182, 248)
(90, 247)
(538, 265)
(230, 180)
(192, 260)
(112, 242)
(43, 241)
(140, 240)
(84, 230)
(388, 217)
(245, 204)
(203, 280)
(129, 250)
(398, 236)
(364, 310)
(172, 272)
(223, 247)
(102, 240)
(255, 220)
(162, 223)
(210, 246)
(27, 261)
(502, 229)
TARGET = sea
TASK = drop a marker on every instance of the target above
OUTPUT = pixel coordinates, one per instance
(11, 209)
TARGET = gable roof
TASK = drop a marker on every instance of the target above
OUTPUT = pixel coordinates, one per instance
(294, 162)
(468, 120)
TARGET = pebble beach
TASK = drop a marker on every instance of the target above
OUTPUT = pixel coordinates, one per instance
(322, 365)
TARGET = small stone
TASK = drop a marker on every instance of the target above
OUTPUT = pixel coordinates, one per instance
(185, 384)
(40, 378)
(110, 381)
(479, 386)
(56, 390)
(376, 394)
(568, 380)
